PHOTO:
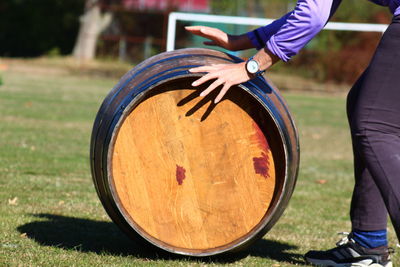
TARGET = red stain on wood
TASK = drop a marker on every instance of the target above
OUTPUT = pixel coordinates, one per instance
(261, 165)
(260, 138)
(180, 174)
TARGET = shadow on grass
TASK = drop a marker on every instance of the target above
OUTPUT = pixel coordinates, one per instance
(105, 237)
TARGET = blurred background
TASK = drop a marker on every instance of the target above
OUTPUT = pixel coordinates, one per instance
(129, 31)
(58, 61)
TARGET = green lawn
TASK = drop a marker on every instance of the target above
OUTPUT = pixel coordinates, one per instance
(50, 214)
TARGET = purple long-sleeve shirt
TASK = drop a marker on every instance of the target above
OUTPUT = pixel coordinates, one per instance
(287, 35)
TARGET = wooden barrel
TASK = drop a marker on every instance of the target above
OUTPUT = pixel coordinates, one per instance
(186, 175)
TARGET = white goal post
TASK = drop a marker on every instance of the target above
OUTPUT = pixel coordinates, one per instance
(336, 26)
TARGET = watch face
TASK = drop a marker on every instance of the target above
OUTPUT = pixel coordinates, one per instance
(252, 66)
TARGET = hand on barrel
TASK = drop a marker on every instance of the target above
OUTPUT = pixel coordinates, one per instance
(228, 75)
(225, 75)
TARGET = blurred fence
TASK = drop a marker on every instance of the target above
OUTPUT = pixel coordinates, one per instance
(179, 16)
(340, 53)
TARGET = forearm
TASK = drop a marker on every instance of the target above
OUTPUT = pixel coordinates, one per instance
(240, 42)
(265, 58)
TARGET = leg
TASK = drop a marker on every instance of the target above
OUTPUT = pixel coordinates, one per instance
(373, 108)
(375, 126)
(368, 211)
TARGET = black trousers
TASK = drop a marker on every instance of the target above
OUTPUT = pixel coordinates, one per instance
(373, 108)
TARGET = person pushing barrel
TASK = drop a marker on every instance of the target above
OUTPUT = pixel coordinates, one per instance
(373, 113)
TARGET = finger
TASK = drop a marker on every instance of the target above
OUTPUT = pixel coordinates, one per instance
(200, 30)
(208, 31)
(196, 27)
(203, 69)
(193, 28)
(222, 93)
(203, 79)
(211, 88)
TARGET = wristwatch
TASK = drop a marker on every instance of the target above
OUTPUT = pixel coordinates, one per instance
(253, 68)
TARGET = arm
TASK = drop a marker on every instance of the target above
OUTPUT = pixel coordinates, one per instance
(260, 36)
(287, 36)
(253, 39)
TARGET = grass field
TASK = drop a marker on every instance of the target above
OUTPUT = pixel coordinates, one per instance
(50, 214)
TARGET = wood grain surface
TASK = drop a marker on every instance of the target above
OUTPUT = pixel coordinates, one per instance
(191, 174)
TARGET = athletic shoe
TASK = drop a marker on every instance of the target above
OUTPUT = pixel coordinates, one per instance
(349, 254)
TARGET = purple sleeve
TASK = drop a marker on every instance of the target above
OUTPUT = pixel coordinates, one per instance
(260, 36)
(286, 36)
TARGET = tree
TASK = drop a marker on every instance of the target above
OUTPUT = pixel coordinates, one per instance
(93, 22)
(31, 28)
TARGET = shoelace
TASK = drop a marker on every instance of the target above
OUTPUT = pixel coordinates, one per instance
(344, 239)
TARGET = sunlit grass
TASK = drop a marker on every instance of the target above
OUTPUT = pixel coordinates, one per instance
(51, 215)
